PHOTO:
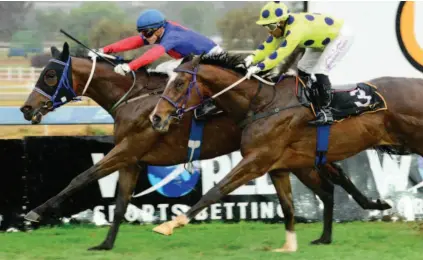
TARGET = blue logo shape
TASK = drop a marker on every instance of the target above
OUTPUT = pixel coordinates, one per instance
(178, 187)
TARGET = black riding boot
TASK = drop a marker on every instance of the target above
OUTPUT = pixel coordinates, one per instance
(321, 91)
(305, 77)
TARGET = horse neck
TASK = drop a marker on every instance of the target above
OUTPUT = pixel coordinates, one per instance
(107, 87)
(239, 100)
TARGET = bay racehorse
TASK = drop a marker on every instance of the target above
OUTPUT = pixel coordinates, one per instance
(276, 137)
(137, 144)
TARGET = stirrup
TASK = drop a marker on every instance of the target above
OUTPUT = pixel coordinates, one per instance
(322, 118)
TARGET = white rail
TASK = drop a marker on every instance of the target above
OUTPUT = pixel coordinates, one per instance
(19, 74)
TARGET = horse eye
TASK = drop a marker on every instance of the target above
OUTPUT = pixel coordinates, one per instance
(50, 78)
(179, 85)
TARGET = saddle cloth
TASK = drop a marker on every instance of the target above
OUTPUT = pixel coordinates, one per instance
(349, 100)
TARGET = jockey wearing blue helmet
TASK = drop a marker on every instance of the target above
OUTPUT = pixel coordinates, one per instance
(150, 19)
(168, 37)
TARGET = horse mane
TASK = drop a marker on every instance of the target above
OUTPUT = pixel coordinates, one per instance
(233, 62)
(223, 60)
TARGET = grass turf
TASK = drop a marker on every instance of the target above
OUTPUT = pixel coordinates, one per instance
(357, 240)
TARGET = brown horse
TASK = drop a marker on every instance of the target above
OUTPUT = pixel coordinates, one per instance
(282, 142)
(137, 144)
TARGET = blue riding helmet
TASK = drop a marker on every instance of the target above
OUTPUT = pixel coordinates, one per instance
(150, 19)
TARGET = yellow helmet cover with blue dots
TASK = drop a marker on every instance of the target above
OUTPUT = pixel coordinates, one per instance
(273, 12)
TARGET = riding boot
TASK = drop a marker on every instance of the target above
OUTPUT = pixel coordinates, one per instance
(207, 108)
(306, 78)
(322, 88)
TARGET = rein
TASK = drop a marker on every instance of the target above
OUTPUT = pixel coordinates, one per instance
(181, 110)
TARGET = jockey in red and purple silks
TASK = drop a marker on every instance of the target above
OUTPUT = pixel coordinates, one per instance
(167, 36)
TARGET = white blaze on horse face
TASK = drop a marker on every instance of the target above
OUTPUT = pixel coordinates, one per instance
(171, 79)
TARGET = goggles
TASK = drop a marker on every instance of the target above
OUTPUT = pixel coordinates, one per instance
(271, 27)
(147, 33)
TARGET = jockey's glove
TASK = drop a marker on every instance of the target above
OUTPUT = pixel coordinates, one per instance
(252, 70)
(122, 69)
(92, 54)
(248, 60)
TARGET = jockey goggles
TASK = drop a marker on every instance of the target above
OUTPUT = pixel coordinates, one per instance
(271, 27)
(147, 32)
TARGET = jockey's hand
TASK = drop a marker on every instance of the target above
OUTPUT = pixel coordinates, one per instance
(248, 60)
(252, 70)
(92, 54)
(122, 69)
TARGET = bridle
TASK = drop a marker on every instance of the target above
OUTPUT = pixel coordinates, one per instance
(181, 109)
(65, 93)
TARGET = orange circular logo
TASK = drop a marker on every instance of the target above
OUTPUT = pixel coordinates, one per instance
(404, 26)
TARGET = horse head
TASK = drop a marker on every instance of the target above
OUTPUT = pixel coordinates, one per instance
(66, 78)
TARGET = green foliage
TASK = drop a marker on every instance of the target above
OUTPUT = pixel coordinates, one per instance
(238, 27)
(239, 30)
(83, 19)
(48, 24)
(12, 17)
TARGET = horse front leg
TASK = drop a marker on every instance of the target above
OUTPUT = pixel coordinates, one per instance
(282, 183)
(116, 159)
(247, 169)
(128, 177)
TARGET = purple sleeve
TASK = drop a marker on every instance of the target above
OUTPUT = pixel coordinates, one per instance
(170, 42)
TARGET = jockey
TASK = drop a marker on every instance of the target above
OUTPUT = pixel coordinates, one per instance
(325, 38)
(167, 36)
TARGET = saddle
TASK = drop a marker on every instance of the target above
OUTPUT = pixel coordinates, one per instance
(347, 100)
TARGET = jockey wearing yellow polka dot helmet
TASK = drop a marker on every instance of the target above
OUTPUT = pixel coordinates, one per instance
(273, 13)
(325, 38)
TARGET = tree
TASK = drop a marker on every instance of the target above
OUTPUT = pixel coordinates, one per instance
(82, 19)
(239, 29)
(107, 31)
(12, 17)
(49, 23)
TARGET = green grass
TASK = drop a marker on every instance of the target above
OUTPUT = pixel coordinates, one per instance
(218, 241)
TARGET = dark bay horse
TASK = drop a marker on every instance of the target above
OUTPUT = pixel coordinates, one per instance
(283, 142)
(137, 144)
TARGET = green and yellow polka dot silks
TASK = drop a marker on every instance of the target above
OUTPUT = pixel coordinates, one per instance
(307, 30)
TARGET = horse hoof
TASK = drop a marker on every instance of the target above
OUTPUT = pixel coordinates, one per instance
(321, 241)
(164, 229)
(101, 247)
(32, 216)
(383, 204)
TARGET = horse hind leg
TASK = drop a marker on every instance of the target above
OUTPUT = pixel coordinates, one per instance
(336, 175)
(324, 189)
(128, 177)
(282, 183)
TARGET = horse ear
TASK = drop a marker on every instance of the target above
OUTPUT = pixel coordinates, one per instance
(65, 52)
(55, 53)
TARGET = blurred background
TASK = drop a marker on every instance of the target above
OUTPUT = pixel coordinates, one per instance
(29, 29)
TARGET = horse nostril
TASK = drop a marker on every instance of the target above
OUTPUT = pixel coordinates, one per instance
(156, 119)
(25, 109)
